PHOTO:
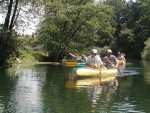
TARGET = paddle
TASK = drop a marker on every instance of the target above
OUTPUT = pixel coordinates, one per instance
(72, 55)
(75, 62)
(116, 67)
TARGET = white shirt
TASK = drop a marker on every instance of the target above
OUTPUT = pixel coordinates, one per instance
(94, 61)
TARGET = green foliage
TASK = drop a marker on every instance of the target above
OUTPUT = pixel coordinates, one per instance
(146, 52)
(30, 43)
(126, 40)
(32, 56)
(78, 26)
(70, 25)
(124, 36)
(141, 25)
(8, 47)
(132, 24)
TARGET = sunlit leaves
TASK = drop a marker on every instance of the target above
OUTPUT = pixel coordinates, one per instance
(75, 22)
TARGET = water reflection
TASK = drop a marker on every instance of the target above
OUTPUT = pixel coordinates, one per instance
(94, 86)
(129, 69)
(146, 71)
(55, 89)
(71, 81)
(26, 87)
(121, 69)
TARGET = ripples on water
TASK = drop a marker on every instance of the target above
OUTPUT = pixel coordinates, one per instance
(24, 92)
(53, 89)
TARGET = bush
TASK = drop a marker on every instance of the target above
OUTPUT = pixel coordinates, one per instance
(8, 47)
(32, 56)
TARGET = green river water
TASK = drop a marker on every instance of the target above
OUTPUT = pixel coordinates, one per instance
(49, 88)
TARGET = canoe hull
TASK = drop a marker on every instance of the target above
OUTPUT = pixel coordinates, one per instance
(73, 63)
(69, 64)
(85, 72)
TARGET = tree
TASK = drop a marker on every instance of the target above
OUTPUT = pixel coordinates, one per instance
(132, 25)
(73, 25)
(11, 10)
(140, 24)
(8, 42)
(123, 33)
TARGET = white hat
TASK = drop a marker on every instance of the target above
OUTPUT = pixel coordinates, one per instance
(109, 51)
(94, 51)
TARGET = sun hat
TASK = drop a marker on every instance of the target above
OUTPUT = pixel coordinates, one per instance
(94, 51)
(109, 51)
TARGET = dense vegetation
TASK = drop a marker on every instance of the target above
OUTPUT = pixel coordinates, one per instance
(77, 26)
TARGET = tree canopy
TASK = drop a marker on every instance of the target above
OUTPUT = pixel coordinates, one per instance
(70, 25)
(77, 26)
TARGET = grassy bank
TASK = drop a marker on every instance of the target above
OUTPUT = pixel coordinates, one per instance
(31, 56)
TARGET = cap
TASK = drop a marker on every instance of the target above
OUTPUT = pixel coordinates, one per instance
(94, 51)
(109, 51)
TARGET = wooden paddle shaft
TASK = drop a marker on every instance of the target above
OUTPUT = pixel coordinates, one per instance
(72, 55)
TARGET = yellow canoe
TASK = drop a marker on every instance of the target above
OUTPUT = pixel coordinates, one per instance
(73, 63)
(85, 72)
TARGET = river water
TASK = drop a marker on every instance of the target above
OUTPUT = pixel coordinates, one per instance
(49, 88)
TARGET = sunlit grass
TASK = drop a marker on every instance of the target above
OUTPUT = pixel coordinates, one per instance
(32, 56)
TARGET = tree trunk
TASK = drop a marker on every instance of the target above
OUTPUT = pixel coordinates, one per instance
(7, 19)
(13, 16)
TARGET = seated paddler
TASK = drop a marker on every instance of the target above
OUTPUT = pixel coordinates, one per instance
(94, 60)
(110, 60)
(82, 59)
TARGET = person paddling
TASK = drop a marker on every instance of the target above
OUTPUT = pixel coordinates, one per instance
(83, 58)
(121, 56)
(110, 60)
(94, 60)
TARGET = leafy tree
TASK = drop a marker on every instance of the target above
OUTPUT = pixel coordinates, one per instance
(8, 47)
(123, 33)
(11, 9)
(74, 25)
(139, 23)
(142, 24)
(132, 24)
(8, 43)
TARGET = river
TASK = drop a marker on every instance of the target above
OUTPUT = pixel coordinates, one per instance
(49, 88)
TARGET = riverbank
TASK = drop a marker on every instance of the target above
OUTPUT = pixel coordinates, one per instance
(31, 63)
(29, 58)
